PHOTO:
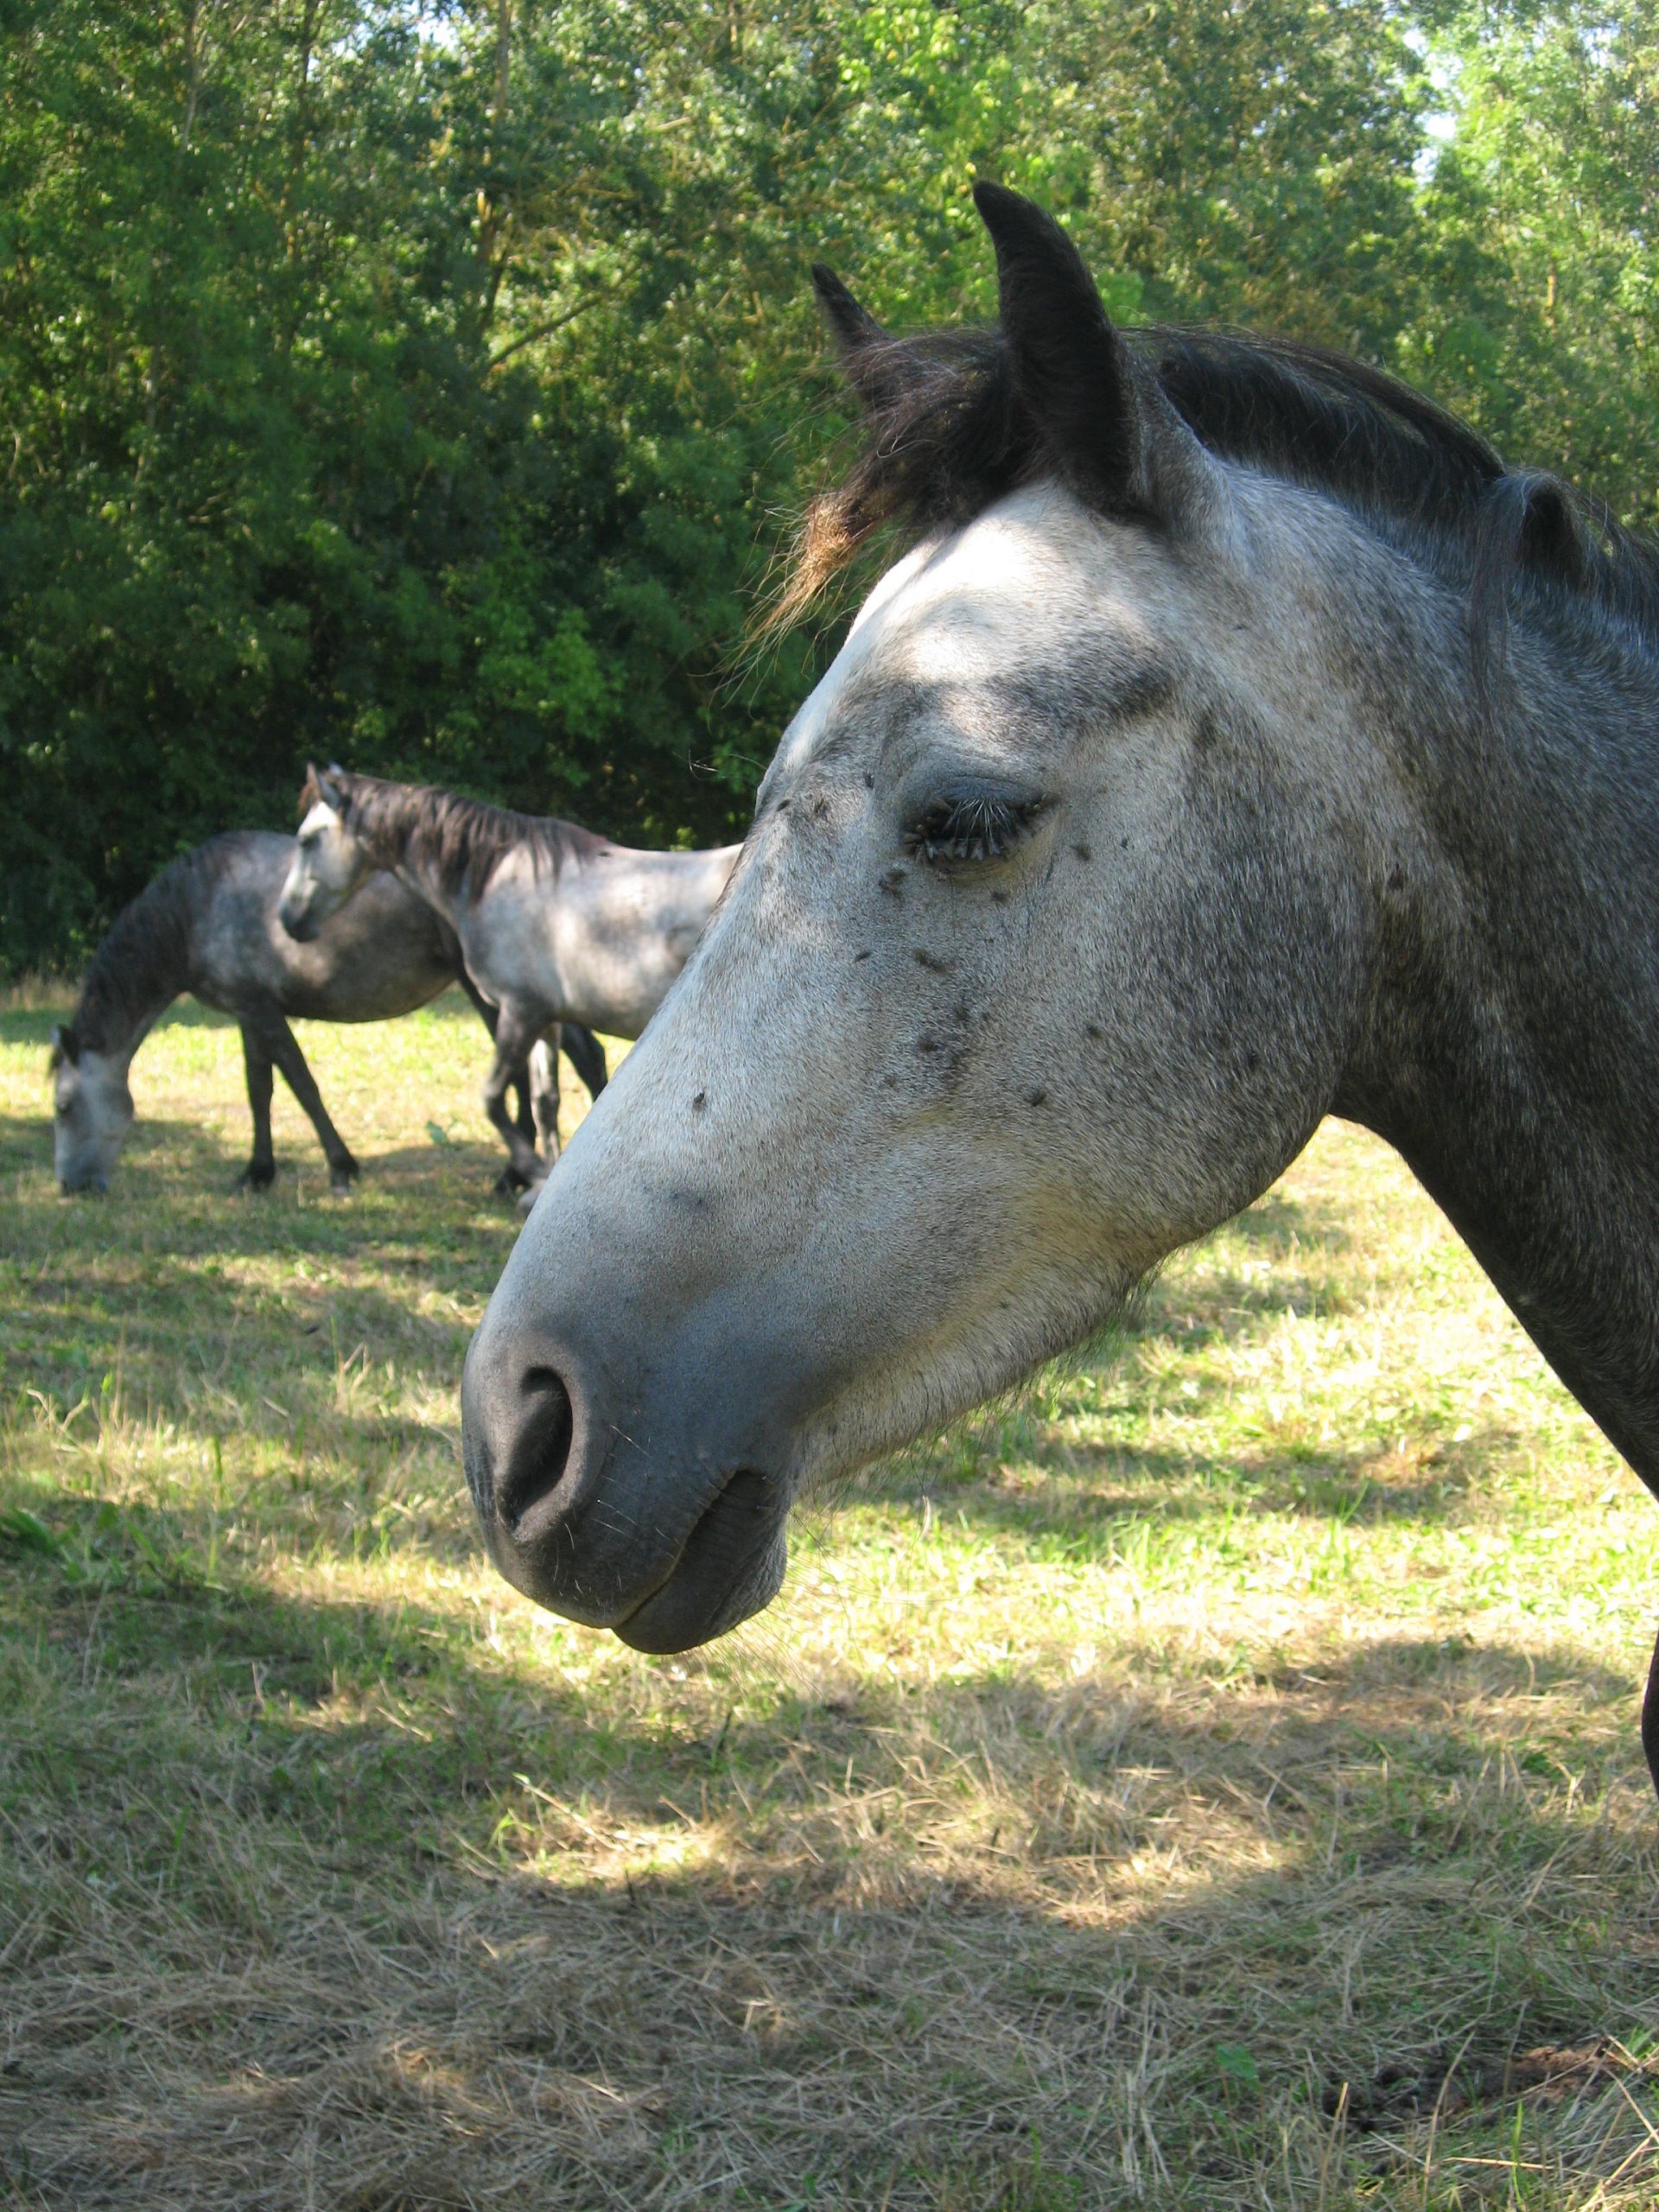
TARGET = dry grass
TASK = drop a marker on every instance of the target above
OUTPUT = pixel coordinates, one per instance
(1215, 1785)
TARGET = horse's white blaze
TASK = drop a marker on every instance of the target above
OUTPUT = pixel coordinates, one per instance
(329, 865)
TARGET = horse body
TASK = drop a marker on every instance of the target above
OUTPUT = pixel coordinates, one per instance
(208, 925)
(554, 924)
(1240, 744)
(603, 951)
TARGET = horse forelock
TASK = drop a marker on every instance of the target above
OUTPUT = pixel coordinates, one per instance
(946, 435)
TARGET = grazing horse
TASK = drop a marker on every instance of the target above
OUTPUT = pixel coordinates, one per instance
(554, 923)
(207, 925)
(1238, 742)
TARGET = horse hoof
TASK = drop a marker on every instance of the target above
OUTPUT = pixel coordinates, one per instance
(509, 1182)
(531, 1192)
(340, 1183)
(257, 1175)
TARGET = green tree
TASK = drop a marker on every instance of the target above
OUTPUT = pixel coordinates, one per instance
(1540, 316)
(430, 386)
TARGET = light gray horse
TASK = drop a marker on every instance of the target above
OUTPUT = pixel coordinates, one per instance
(554, 923)
(207, 925)
(1240, 742)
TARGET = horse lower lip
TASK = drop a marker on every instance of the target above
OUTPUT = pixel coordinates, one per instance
(725, 1555)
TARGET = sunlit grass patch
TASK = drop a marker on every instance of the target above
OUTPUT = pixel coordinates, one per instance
(1211, 1781)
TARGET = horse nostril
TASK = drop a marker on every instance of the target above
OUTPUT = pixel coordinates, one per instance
(541, 1449)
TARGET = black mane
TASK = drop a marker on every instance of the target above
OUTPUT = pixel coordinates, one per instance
(946, 435)
(463, 840)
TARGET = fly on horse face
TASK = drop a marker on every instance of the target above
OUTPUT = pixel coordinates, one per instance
(1238, 742)
(554, 923)
(207, 925)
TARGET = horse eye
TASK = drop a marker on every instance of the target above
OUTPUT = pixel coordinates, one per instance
(965, 826)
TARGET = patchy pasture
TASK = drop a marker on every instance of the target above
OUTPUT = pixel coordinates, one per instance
(1214, 1783)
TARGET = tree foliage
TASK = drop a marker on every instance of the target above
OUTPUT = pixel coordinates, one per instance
(428, 385)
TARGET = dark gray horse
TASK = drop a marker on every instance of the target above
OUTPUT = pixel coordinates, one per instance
(1240, 742)
(554, 924)
(207, 925)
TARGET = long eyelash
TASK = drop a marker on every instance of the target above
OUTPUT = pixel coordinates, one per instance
(974, 826)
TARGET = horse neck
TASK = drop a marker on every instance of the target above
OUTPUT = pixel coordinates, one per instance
(144, 963)
(1515, 1049)
(397, 841)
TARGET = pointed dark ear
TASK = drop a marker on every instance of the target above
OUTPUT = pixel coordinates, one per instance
(328, 790)
(310, 791)
(853, 326)
(878, 367)
(1548, 537)
(65, 1045)
(1102, 414)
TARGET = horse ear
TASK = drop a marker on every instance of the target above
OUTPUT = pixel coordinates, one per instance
(879, 366)
(1102, 414)
(65, 1045)
(328, 790)
(1548, 537)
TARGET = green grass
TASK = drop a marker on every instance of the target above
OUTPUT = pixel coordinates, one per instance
(1215, 1783)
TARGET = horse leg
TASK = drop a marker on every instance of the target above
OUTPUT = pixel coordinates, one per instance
(285, 1050)
(1650, 1719)
(587, 1055)
(524, 1119)
(524, 1115)
(522, 1085)
(261, 1170)
(545, 1086)
(521, 1082)
(513, 1038)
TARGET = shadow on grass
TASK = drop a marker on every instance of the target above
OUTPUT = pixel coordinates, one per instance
(1021, 1474)
(209, 1309)
(165, 1161)
(1085, 1488)
(347, 1873)
(33, 1024)
(1277, 1226)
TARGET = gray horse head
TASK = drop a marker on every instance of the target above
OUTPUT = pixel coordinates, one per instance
(1128, 835)
(330, 864)
(91, 1113)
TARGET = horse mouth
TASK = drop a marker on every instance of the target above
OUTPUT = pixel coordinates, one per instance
(730, 1566)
